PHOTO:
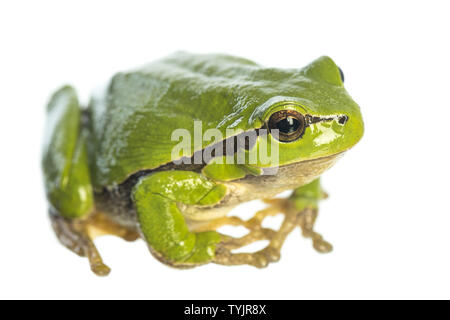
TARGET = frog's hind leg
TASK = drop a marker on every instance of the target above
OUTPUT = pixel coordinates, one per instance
(100, 224)
(78, 236)
(67, 179)
(299, 210)
(73, 235)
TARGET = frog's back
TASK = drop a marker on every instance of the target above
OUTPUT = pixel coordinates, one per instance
(133, 119)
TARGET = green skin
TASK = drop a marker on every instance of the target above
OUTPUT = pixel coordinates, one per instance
(130, 128)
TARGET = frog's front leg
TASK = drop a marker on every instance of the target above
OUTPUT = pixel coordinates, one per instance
(157, 198)
(299, 210)
(305, 201)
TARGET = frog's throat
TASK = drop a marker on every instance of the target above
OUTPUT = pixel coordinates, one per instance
(288, 177)
(321, 164)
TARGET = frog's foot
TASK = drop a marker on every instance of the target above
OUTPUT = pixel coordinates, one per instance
(271, 253)
(77, 235)
(307, 219)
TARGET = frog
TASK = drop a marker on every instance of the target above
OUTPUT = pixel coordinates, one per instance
(115, 165)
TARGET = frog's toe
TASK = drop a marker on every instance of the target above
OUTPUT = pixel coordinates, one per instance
(322, 246)
(100, 269)
(272, 254)
(264, 257)
(259, 260)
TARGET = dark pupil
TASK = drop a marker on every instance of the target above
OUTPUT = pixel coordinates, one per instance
(288, 125)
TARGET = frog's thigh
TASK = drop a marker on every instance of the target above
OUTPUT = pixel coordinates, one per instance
(66, 175)
(156, 199)
(65, 161)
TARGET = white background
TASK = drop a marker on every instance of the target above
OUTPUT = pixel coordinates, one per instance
(388, 213)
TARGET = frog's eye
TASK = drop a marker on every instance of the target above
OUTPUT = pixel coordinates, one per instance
(289, 123)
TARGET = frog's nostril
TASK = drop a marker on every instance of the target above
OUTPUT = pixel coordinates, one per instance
(343, 119)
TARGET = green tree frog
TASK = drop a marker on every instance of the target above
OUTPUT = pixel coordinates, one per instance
(165, 151)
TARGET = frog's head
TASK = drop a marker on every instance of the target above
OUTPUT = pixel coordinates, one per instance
(315, 116)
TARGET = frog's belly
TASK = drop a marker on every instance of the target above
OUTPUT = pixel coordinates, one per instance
(288, 177)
